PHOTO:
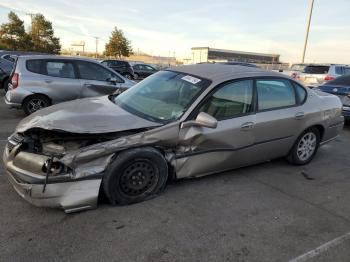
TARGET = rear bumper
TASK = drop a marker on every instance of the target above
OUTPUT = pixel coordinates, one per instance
(10, 103)
(70, 195)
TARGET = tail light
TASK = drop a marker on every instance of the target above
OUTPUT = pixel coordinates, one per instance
(15, 80)
(328, 77)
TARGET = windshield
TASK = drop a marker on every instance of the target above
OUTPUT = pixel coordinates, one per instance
(162, 97)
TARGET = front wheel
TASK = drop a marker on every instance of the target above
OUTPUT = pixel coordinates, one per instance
(305, 147)
(135, 175)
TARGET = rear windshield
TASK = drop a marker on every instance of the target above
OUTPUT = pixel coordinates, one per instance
(316, 69)
(297, 67)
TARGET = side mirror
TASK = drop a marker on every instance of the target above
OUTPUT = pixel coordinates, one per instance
(113, 80)
(203, 119)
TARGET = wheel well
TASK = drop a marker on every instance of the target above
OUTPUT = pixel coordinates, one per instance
(37, 94)
(320, 129)
(3, 82)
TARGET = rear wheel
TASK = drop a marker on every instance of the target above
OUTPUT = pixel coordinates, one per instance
(305, 147)
(34, 103)
(135, 175)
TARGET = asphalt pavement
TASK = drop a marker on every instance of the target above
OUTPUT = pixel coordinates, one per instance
(267, 212)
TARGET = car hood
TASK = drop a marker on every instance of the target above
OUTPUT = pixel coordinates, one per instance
(89, 115)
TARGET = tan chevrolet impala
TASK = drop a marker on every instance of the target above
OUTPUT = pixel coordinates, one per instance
(186, 121)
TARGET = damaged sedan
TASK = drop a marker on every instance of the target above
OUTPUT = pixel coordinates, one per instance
(187, 121)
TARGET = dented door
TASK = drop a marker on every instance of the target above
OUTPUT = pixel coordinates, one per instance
(205, 150)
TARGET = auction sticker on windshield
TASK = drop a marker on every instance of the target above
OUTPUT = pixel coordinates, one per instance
(191, 79)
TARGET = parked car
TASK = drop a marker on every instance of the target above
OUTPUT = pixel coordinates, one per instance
(7, 61)
(40, 81)
(122, 67)
(294, 70)
(187, 121)
(341, 88)
(142, 70)
(238, 63)
(317, 74)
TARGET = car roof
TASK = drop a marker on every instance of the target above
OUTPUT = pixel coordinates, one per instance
(222, 72)
(57, 57)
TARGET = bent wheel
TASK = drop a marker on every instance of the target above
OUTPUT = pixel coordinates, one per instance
(135, 175)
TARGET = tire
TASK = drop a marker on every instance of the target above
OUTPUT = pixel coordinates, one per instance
(136, 76)
(34, 103)
(128, 76)
(135, 175)
(305, 147)
(5, 85)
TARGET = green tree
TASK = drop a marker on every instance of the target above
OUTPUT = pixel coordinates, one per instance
(42, 35)
(118, 44)
(13, 35)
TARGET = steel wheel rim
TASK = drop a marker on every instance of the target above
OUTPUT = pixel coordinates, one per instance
(128, 76)
(138, 178)
(35, 105)
(306, 146)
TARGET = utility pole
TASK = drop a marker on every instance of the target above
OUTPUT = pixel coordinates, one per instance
(96, 43)
(307, 29)
(31, 17)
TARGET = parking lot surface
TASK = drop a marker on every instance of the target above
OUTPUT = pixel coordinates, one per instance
(268, 212)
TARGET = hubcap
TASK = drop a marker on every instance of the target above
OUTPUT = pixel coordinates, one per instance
(138, 177)
(35, 105)
(306, 146)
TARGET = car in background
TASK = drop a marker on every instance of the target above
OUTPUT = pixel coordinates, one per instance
(187, 121)
(143, 70)
(7, 60)
(122, 67)
(317, 74)
(40, 81)
(341, 88)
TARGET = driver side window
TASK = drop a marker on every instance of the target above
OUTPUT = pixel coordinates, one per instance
(231, 100)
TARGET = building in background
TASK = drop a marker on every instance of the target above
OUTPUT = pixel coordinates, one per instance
(207, 54)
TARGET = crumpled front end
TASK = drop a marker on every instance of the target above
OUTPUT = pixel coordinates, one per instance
(52, 168)
(57, 187)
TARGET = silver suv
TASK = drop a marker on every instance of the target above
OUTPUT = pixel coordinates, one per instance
(317, 74)
(40, 81)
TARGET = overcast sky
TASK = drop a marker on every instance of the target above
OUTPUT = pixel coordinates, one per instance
(161, 27)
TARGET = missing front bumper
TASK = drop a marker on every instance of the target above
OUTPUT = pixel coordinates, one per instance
(70, 195)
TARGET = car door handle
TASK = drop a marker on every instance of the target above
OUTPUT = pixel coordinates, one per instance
(299, 115)
(48, 81)
(247, 125)
(87, 84)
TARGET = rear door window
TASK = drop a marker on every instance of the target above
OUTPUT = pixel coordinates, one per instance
(62, 69)
(274, 94)
(316, 69)
(91, 71)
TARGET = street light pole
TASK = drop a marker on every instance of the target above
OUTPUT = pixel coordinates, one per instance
(96, 45)
(307, 29)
